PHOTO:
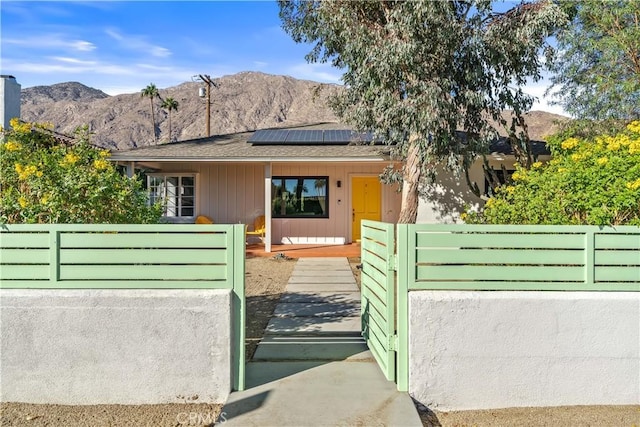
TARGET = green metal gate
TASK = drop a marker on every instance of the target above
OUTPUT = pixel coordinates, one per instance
(378, 293)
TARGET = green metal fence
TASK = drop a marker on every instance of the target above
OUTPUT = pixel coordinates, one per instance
(562, 258)
(378, 299)
(505, 258)
(183, 256)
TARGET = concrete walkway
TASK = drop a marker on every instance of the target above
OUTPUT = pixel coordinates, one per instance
(312, 367)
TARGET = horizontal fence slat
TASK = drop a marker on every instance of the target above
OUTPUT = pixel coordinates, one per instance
(24, 240)
(617, 274)
(379, 351)
(617, 241)
(121, 284)
(20, 272)
(375, 279)
(499, 256)
(133, 256)
(375, 235)
(498, 240)
(24, 256)
(522, 286)
(373, 260)
(506, 273)
(617, 257)
(376, 304)
(373, 290)
(143, 240)
(143, 272)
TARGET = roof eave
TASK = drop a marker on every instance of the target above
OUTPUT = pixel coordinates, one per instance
(248, 159)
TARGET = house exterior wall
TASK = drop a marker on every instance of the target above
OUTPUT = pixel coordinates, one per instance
(235, 192)
(449, 194)
(229, 193)
(338, 225)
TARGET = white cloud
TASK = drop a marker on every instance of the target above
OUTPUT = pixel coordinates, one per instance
(73, 60)
(160, 52)
(260, 64)
(317, 72)
(49, 41)
(138, 44)
(542, 102)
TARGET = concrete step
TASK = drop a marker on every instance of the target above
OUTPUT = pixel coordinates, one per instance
(303, 309)
(321, 297)
(314, 325)
(323, 261)
(321, 287)
(278, 348)
(335, 274)
(322, 278)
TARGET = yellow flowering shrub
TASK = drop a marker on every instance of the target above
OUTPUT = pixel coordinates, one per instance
(43, 182)
(12, 145)
(590, 180)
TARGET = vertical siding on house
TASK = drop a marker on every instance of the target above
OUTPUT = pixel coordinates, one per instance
(338, 224)
(227, 192)
(234, 192)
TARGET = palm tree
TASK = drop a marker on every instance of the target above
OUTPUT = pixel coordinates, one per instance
(170, 104)
(151, 92)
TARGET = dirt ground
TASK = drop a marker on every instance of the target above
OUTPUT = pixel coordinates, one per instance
(266, 279)
(560, 416)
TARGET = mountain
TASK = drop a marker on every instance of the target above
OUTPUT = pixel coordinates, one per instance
(240, 102)
(71, 91)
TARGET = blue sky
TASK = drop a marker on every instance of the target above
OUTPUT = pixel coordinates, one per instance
(121, 47)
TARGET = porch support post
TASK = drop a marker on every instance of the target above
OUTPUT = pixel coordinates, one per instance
(131, 169)
(267, 207)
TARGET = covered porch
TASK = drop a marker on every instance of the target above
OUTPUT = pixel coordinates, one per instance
(350, 250)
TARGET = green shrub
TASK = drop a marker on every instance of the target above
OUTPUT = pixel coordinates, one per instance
(42, 181)
(590, 180)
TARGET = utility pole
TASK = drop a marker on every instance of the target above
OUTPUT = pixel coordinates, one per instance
(207, 79)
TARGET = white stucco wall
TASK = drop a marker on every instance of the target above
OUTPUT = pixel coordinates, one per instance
(115, 346)
(481, 350)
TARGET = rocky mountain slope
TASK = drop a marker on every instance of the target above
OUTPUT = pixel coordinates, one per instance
(241, 102)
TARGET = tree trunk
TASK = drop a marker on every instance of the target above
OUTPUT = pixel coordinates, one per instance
(153, 122)
(411, 173)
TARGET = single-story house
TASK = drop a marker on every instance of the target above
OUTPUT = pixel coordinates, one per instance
(314, 184)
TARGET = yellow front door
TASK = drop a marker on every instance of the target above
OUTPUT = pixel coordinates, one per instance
(365, 202)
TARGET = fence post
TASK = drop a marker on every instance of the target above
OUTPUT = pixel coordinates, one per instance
(54, 256)
(589, 257)
(237, 271)
(404, 265)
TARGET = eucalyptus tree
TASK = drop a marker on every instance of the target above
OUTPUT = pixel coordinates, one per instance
(170, 104)
(416, 72)
(597, 71)
(151, 92)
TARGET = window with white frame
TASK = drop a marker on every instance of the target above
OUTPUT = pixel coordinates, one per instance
(176, 192)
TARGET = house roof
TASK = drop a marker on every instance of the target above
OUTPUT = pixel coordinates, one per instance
(235, 148)
(238, 148)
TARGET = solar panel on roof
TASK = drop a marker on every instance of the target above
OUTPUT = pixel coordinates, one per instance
(309, 137)
(304, 137)
(268, 136)
(333, 136)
